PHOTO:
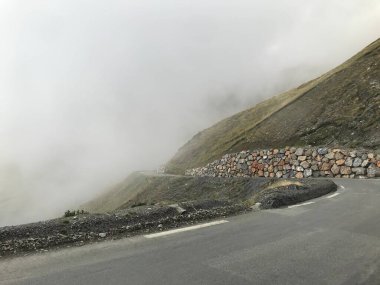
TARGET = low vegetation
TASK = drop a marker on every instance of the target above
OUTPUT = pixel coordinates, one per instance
(73, 213)
(283, 183)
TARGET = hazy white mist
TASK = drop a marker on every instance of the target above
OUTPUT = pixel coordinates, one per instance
(92, 90)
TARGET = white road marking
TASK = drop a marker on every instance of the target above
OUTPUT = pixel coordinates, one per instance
(185, 229)
(333, 195)
(341, 186)
(299, 205)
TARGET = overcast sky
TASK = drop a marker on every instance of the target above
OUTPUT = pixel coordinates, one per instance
(92, 90)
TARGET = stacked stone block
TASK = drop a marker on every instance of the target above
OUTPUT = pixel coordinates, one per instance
(295, 162)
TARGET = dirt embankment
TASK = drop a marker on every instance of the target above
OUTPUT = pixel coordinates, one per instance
(165, 190)
(170, 202)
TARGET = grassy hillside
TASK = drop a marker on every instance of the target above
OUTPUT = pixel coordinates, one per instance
(119, 194)
(340, 108)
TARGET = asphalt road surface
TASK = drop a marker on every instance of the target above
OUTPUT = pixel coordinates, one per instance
(334, 239)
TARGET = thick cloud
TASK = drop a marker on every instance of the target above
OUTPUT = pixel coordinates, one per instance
(91, 90)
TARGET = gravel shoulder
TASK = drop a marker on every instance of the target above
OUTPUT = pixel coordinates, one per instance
(153, 215)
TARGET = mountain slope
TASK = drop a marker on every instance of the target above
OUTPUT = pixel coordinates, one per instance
(340, 108)
(119, 194)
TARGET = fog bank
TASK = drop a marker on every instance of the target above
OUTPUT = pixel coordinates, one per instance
(92, 90)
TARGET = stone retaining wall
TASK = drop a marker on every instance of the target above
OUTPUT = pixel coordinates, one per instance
(294, 162)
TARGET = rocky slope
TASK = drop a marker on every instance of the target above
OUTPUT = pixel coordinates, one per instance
(339, 109)
(88, 228)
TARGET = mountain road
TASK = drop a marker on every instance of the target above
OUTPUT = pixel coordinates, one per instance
(334, 239)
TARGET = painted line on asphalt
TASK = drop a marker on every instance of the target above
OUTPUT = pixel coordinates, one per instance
(333, 195)
(185, 229)
(299, 205)
(341, 186)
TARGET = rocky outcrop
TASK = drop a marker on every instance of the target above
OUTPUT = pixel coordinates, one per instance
(294, 162)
